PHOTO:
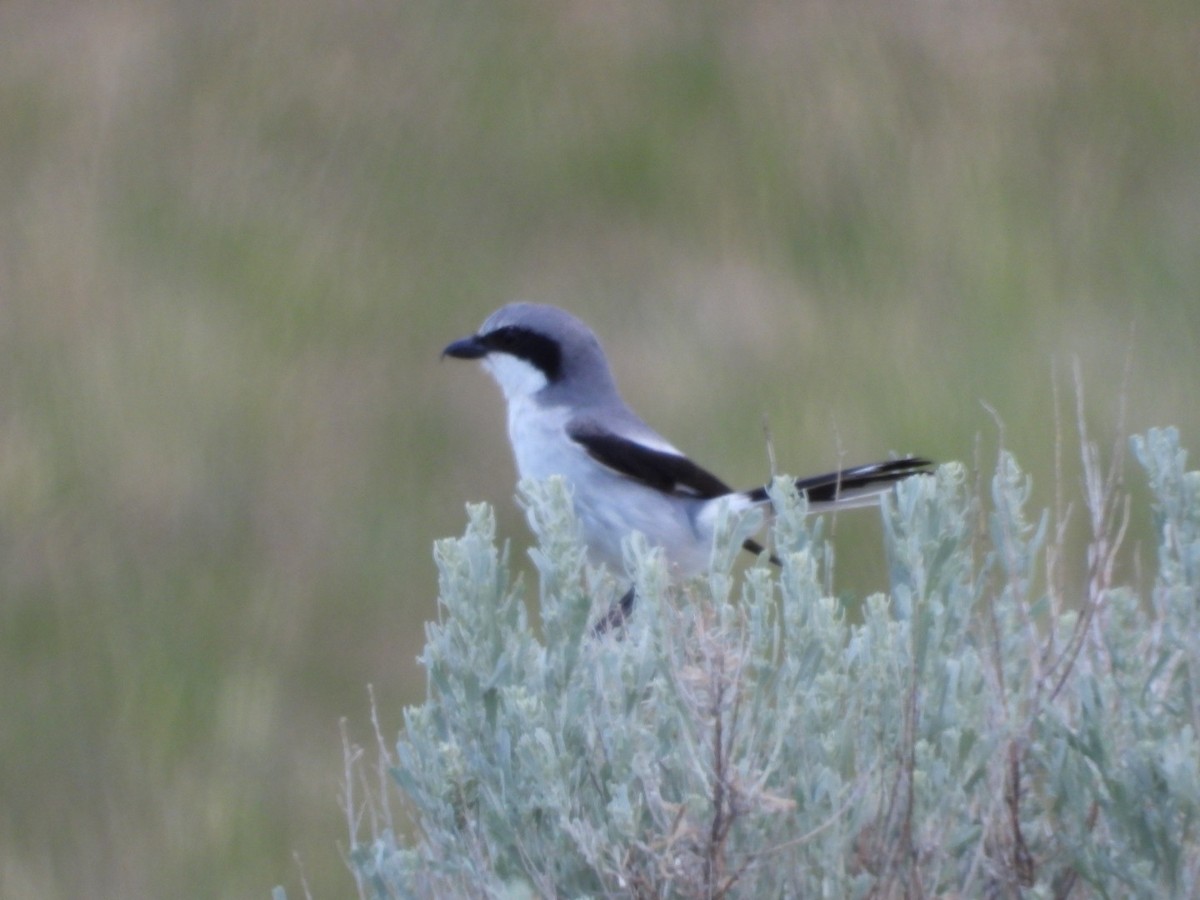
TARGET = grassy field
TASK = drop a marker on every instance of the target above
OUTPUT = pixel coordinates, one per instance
(234, 237)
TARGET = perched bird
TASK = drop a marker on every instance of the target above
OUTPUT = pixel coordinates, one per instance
(566, 417)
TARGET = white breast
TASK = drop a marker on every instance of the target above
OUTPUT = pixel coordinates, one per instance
(609, 505)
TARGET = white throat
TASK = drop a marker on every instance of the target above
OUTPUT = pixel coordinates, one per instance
(517, 378)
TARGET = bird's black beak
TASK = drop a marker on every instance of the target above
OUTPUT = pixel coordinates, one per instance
(468, 348)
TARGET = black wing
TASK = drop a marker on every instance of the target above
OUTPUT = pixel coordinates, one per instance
(662, 470)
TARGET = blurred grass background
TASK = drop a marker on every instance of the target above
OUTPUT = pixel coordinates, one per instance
(234, 237)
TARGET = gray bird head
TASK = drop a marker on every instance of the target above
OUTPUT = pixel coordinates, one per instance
(530, 348)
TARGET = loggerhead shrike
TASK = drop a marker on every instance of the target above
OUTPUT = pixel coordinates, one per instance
(565, 417)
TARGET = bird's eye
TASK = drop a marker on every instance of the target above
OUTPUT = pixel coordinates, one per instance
(504, 339)
(523, 343)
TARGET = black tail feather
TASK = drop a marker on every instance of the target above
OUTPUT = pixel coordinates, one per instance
(831, 486)
(819, 489)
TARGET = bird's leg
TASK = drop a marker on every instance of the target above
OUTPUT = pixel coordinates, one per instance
(616, 617)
